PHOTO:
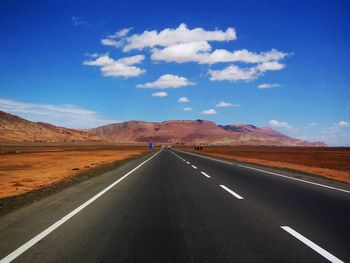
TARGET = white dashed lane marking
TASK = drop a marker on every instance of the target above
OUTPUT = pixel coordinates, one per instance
(206, 175)
(312, 245)
(231, 192)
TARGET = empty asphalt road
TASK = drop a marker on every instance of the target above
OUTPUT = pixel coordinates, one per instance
(173, 206)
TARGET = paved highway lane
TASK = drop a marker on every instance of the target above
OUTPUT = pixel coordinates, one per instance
(313, 210)
(176, 207)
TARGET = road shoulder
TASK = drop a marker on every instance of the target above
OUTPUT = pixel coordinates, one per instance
(12, 203)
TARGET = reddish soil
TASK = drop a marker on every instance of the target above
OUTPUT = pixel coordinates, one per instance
(35, 168)
(329, 162)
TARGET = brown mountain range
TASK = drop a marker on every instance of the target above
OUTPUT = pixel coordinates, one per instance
(17, 129)
(196, 132)
(14, 128)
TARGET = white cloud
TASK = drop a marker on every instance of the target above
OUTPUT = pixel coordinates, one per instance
(101, 61)
(121, 70)
(182, 52)
(111, 42)
(223, 104)
(65, 115)
(182, 44)
(167, 81)
(270, 65)
(183, 99)
(118, 68)
(111, 39)
(77, 21)
(338, 134)
(200, 52)
(160, 94)
(93, 55)
(233, 73)
(245, 56)
(280, 124)
(312, 124)
(209, 112)
(187, 108)
(171, 36)
(131, 60)
(337, 128)
(121, 33)
(343, 124)
(268, 86)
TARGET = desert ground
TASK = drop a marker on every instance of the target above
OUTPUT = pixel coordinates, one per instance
(330, 162)
(30, 166)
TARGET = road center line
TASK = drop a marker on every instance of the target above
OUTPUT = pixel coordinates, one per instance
(206, 175)
(194, 167)
(205, 157)
(268, 172)
(312, 245)
(231, 192)
(64, 219)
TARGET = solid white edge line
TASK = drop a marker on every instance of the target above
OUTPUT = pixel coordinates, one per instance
(194, 167)
(277, 174)
(292, 178)
(64, 219)
(231, 192)
(206, 175)
(312, 245)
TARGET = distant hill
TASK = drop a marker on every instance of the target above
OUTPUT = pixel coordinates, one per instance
(196, 132)
(14, 128)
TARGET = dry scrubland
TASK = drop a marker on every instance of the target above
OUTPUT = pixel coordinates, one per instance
(40, 165)
(330, 162)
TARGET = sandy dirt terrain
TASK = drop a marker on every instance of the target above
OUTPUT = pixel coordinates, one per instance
(38, 167)
(330, 162)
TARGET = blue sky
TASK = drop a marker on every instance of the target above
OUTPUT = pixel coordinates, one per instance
(283, 64)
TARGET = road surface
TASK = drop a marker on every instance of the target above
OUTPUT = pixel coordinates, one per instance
(173, 206)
